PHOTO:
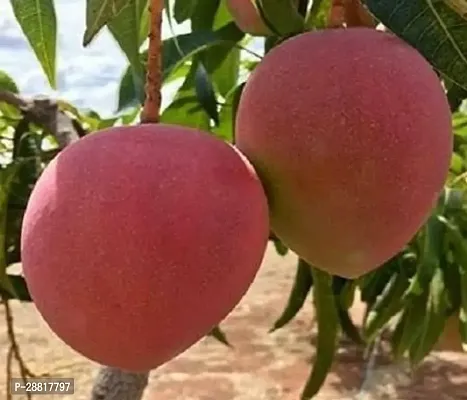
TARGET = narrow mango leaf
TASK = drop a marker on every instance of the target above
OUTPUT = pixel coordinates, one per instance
(301, 287)
(7, 83)
(397, 335)
(433, 247)
(126, 29)
(414, 315)
(202, 18)
(432, 27)
(205, 93)
(223, 15)
(7, 177)
(328, 330)
(184, 9)
(185, 109)
(434, 319)
(346, 296)
(344, 293)
(218, 334)
(130, 91)
(144, 25)
(237, 94)
(452, 278)
(281, 16)
(374, 283)
(387, 306)
(38, 22)
(98, 14)
(225, 76)
(460, 254)
(347, 325)
(280, 247)
(225, 131)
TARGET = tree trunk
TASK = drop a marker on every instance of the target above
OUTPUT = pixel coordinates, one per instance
(115, 384)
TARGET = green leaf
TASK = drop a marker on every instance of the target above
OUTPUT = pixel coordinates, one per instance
(280, 247)
(346, 296)
(463, 321)
(328, 330)
(457, 164)
(184, 9)
(433, 246)
(413, 319)
(225, 76)
(300, 289)
(226, 128)
(237, 94)
(434, 319)
(222, 16)
(144, 26)
(7, 83)
(27, 155)
(203, 16)
(281, 16)
(374, 283)
(433, 28)
(38, 22)
(460, 254)
(131, 90)
(7, 177)
(249, 65)
(185, 109)
(387, 306)
(179, 49)
(205, 93)
(347, 325)
(397, 334)
(98, 14)
(455, 96)
(126, 29)
(219, 335)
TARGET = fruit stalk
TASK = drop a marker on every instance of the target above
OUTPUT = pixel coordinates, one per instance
(351, 13)
(152, 103)
(336, 16)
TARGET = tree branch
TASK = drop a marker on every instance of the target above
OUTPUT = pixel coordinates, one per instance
(45, 112)
(115, 384)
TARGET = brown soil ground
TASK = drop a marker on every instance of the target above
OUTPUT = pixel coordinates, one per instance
(260, 365)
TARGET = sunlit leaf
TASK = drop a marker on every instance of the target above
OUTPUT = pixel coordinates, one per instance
(38, 22)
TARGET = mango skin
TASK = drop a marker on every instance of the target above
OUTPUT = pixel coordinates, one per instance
(350, 132)
(247, 17)
(137, 240)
